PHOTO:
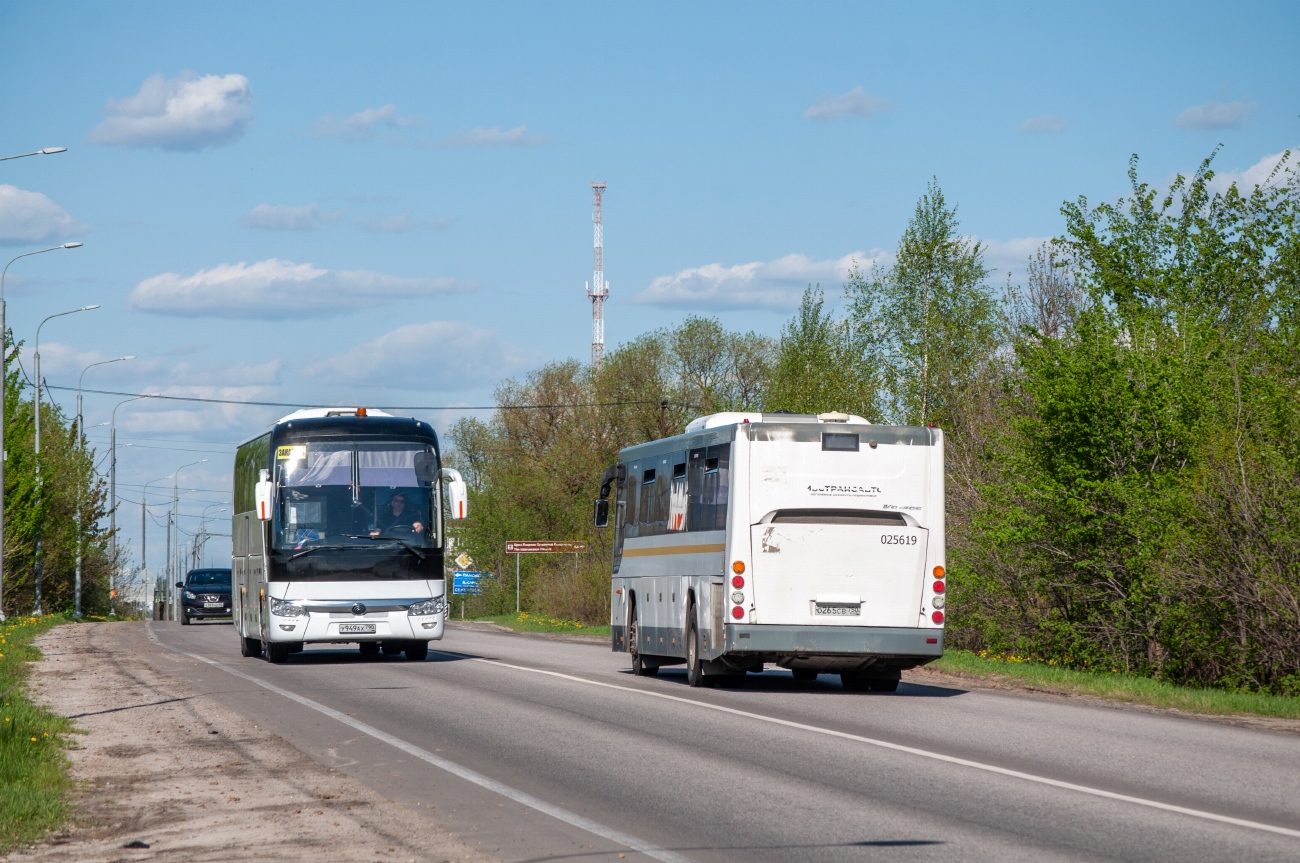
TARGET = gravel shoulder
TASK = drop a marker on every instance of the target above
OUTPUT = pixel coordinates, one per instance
(164, 773)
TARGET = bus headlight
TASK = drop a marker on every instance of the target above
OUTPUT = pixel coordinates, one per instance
(285, 608)
(427, 607)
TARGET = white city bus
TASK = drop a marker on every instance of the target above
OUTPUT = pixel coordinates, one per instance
(339, 535)
(815, 543)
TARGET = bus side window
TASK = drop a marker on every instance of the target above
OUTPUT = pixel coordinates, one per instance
(632, 492)
(647, 512)
(717, 473)
(695, 490)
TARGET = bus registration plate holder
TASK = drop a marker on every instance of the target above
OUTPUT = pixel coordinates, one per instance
(837, 609)
(356, 629)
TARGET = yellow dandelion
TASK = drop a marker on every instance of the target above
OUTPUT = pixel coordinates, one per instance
(33, 739)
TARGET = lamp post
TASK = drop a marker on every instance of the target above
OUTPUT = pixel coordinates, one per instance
(81, 446)
(144, 531)
(112, 488)
(4, 379)
(203, 532)
(173, 562)
(36, 404)
(48, 151)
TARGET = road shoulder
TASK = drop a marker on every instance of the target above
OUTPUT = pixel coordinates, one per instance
(165, 773)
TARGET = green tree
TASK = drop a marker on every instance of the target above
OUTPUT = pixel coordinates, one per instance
(818, 366)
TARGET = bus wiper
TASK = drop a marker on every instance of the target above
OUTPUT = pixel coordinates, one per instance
(299, 554)
(406, 545)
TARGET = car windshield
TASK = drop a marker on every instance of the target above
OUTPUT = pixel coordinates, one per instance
(350, 493)
(209, 578)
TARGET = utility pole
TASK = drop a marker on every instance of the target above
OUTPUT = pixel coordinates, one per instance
(598, 290)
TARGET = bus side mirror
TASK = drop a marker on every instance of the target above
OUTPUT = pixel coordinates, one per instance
(457, 493)
(262, 497)
(601, 518)
(424, 467)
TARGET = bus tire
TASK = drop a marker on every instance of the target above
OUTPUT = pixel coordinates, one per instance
(804, 675)
(369, 649)
(249, 647)
(878, 685)
(640, 667)
(277, 652)
(391, 648)
(694, 662)
(417, 651)
(854, 681)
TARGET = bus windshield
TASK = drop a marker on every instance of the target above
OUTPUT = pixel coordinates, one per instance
(350, 493)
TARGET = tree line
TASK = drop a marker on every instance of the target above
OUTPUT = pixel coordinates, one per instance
(43, 504)
(1123, 466)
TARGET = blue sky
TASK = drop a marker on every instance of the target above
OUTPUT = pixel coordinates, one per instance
(391, 204)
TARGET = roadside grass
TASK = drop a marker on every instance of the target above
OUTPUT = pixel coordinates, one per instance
(33, 767)
(526, 621)
(1117, 687)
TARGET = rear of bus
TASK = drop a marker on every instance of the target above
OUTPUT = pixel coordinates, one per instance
(838, 564)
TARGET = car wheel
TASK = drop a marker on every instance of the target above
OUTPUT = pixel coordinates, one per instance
(640, 667)
(369, 649)
(185, 619)
(277, 652)
(250, 646)
(417, 651)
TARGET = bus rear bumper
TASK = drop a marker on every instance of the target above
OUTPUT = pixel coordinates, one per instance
(876, 641)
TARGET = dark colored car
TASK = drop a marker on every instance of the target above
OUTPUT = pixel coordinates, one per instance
(205, 594)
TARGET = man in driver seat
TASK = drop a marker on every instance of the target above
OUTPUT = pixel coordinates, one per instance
(394, 516)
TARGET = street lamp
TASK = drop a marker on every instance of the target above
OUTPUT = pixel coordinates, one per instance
(173, 562)
(81, 445)
(36, 402)
(112, 488)
(48, 151)
(4, 369)
(196, 556)
(144, 530)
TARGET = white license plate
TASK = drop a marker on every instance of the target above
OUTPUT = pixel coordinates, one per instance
(357, 628)
(212, 605)
(837, 610)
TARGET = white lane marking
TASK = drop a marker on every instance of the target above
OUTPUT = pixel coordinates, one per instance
(521, 797)
(898, 747)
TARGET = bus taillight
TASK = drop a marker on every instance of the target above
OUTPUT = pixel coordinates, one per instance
(937, 617)
(738, 581)
(738, 612)
(938, 587)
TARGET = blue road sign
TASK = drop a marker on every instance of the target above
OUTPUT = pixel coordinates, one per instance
(468, 582)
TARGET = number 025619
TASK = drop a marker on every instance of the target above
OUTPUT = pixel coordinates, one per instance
(898, 539)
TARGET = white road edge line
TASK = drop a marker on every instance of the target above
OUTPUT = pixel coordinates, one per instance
(898, 747)
(521, 797)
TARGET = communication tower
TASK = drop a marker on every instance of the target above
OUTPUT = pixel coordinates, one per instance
(598, 289)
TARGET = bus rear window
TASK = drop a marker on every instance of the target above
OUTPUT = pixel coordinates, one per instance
(839, 442)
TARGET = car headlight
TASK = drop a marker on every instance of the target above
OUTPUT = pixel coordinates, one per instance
(285, 608)
(189, 595)
(427, 607)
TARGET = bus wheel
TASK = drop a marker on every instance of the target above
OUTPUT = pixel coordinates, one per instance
(804, 674)
(882, 685)
(417, 651)
(640, 667)
(369, 649)
(854, 681)
(694, 663)
(391, 648)
(277, 652)
(249, 646)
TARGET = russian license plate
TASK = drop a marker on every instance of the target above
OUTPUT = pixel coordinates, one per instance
(837, 609)
(357, 628)
(211, 605)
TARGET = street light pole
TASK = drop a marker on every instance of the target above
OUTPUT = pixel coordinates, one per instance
(176, 497)
(112, 489)
(4, 385)
(36, 404)
(81, 447)
(144, 532)
(48, 151)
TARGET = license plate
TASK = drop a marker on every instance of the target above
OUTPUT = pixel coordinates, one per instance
(211, 605)
(357, 628)
(838, 610)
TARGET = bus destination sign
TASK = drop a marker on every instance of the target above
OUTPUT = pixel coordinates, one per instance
(544, 546)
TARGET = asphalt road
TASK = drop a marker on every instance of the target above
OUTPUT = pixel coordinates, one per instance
(533, 749)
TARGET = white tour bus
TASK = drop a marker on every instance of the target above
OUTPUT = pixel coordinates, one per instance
(338, 535)
(812, 542)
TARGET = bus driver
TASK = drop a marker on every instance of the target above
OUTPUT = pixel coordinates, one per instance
(394, 515)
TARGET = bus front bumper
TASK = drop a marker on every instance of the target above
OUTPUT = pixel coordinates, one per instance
(793, 640)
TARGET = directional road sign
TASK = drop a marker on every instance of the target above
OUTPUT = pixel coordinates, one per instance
(544, 546)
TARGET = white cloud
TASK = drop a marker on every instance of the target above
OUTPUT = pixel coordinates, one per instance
(30, 217)
(439, 355)
(399, 224)
(775, 284)
(1256, 175)
(182, 113)
(1044, 123)
(277, 217)
(1216, 115)
(274, 288)
(361, 124)
(855, 103)
(494, 137)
